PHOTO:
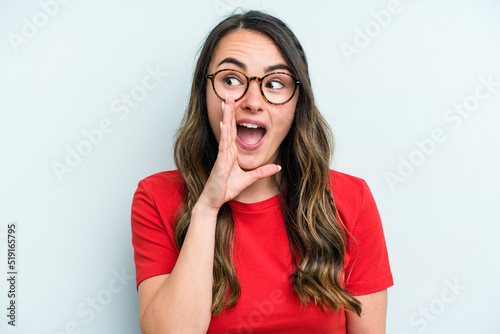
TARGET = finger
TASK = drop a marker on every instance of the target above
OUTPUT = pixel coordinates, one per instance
(226, 111)
(223, 130)
(225, 119)
(263, 172)
(231, 122)
(233, 125)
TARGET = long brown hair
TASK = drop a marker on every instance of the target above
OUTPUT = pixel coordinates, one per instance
(314, 232)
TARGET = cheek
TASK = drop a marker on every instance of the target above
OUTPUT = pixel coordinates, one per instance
(287, 124)
(286, 121)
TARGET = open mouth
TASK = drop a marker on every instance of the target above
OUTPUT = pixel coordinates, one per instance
(250, 135)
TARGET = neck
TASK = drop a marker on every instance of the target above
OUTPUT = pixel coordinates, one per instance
(258, 191)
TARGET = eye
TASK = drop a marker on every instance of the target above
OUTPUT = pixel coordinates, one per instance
(275, 84)
(231, 80)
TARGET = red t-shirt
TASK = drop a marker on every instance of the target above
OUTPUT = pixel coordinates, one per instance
(262, 254)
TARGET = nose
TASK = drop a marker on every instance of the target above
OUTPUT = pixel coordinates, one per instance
(253, 99)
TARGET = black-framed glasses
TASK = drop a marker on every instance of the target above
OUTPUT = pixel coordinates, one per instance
(276, 88)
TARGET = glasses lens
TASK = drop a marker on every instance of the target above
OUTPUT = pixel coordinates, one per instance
(231, 83)
(278, 87)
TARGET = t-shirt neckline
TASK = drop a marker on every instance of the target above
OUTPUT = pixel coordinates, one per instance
(267, 203)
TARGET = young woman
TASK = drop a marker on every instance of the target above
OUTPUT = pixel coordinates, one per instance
(254, 233)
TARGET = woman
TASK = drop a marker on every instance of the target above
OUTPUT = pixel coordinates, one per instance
(232, 242)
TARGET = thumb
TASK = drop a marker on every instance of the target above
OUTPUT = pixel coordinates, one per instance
(263, 172)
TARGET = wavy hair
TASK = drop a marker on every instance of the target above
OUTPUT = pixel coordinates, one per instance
(316, 236)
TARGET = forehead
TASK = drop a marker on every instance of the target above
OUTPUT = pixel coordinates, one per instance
(252, 48)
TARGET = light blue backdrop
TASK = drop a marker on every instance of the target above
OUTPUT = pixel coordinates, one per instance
(92, 92)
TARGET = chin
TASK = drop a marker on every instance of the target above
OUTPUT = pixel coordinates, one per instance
(248, 166)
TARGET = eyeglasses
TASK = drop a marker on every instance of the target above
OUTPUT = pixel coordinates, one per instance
(277, 88)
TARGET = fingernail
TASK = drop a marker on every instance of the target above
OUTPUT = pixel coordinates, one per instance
(279, 168)
(221, 129)
(227, 95)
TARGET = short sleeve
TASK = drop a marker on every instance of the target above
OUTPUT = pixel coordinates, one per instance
(155, 252)
(367, 269)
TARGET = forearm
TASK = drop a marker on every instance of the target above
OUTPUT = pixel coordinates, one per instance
(183, 303)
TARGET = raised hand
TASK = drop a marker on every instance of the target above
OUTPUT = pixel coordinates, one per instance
(227, 180)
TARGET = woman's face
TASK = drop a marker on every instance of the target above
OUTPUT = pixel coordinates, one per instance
(254, 54)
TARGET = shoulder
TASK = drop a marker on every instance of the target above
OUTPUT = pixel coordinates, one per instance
(171, 180)
(347, 187)
(162, 188)
(352, 196)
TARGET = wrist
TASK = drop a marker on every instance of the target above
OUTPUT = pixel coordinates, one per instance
(204, 209)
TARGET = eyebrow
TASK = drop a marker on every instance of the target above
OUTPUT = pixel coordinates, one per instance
(278, 67)
(231, 60)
